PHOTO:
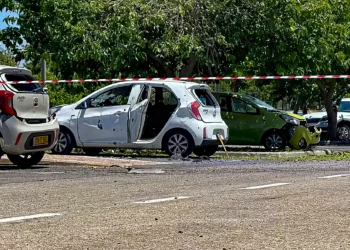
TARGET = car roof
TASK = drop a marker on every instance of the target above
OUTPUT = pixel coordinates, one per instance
(159, 82)
(10, 69)
(345, 99)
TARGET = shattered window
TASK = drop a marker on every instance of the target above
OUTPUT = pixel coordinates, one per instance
(113, 97)
(169, 98)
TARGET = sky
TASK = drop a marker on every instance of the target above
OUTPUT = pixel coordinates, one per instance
(3, 25)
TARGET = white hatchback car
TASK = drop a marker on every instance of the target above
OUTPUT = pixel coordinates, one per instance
(26, 129)
(175, 116)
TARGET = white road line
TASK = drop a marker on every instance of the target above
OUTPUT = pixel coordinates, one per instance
(333, 176)
(28, 217)
(267, 186)
(162, 200)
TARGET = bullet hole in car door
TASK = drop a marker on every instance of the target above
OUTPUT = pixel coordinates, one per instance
(162, 105)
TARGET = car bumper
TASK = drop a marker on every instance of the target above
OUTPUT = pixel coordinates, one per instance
(302, 132)
(18, 136)
(211, 131)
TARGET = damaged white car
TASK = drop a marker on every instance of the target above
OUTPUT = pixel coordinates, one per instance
(26, 129)
(175, 116)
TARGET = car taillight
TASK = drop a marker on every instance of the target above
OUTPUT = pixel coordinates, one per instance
(194, 110)
(6, 100)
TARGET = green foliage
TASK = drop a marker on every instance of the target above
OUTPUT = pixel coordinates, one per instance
(139, 38)
(7, 59)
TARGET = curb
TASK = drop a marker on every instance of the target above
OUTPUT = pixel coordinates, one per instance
(277, 154)
(93, 161)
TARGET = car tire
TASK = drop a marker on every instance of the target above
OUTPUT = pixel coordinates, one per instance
(178, 141)
(303, 144)
(64, 143)
(274, 141)
(26, 160)
(343, 133)
(206, 150)
(92, 151)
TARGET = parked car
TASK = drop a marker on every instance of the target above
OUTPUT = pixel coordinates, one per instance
(178, 117)
(254, 122)
(26, 129)
(320, 120)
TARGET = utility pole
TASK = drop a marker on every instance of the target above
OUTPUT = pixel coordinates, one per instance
(43, 69)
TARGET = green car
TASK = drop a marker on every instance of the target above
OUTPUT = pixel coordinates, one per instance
(254, 122)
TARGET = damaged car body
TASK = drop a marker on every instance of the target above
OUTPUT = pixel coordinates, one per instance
(175, 116)
(254, 122)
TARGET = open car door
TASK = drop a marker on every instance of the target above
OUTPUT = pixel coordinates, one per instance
(137, 113)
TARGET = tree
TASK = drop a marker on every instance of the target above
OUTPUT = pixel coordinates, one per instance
(7, 59)
(110, 38)
(304, 38)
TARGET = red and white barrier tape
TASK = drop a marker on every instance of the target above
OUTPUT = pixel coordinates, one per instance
(189, 79)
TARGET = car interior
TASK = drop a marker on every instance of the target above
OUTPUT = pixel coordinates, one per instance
(162, 105)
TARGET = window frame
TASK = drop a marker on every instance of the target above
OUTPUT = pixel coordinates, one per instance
(246, 105)
(109, 90)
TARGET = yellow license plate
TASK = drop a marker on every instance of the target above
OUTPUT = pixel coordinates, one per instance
(41, 140)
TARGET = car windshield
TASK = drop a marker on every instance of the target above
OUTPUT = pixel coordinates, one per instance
(23, 87)
(344, 106)
(260, 103)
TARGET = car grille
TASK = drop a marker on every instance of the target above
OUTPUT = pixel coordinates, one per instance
(35, 121)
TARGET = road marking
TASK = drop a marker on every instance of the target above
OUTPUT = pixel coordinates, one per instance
(162, 200)
(28, 217)
(333, 176)
(267, 186)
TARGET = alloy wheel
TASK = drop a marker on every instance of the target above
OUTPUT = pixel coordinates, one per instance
(343, 133)
(177, 144)
(61, 143)
(274, 142)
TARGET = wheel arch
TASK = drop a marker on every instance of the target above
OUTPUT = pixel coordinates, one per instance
(264, 135)
(344, 122)
(173, 130)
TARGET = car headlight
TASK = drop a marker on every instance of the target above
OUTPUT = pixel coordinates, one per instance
(54, 110)
(290, 119)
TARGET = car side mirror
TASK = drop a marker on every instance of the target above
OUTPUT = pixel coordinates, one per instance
(46, 90)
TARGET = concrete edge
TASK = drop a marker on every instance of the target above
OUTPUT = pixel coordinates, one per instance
(290, 154)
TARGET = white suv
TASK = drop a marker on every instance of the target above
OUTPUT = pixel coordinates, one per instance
(178, 117)
(26, 129)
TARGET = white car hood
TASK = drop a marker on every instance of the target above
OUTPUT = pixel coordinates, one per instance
(322, 114)
(315, 115)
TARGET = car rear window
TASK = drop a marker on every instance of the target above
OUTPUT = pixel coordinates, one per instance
(26, 87)
(204, 96)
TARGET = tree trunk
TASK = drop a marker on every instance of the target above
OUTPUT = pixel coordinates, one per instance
(167, 69)
(327, 92)
(187, 69)
(234, 86)
(305, 109)
(296, 107)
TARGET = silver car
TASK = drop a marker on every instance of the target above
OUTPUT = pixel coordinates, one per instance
(26, 129)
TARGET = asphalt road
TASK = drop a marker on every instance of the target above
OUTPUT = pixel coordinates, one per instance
(205, 205)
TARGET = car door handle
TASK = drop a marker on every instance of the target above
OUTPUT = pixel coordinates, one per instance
(99, 125)
(119, 113)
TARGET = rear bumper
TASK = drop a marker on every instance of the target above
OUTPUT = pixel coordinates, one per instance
(210, 132)
(18, 136)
